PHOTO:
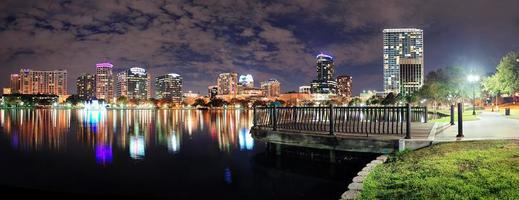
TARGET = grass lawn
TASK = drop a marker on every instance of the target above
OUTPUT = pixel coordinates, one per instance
(467, 116)
(458, 170)
(514, 114)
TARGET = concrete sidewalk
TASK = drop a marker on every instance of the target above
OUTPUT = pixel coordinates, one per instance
(490, 125)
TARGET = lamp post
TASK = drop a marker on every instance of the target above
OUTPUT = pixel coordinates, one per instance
(473, 79)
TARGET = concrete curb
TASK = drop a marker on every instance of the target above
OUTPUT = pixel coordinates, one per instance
(357, 184)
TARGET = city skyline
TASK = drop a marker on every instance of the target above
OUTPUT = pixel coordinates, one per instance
(175, 37)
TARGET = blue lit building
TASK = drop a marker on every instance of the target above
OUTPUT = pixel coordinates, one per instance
(325, 83)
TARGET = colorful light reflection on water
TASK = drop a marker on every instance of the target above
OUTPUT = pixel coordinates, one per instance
(133, 131)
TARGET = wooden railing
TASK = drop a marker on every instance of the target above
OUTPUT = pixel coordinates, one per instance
(341, 120)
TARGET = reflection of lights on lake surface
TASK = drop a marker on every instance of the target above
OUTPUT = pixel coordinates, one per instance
(245, 139)
(103, 154)
(173, 143)
(137, 147)
(227, 176)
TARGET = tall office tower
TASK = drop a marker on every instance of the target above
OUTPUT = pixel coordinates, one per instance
(43, 82)
(104, 81)
(325, 83)
(169, 86)
(133, 83)
(246, 81)
(304, 89)
(403, 55)
(86, 86)
(227, 84)
(15, 83)
(212, 91)
(271, 88)
(344, 86)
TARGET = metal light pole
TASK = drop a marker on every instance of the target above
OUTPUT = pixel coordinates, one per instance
(473, 79)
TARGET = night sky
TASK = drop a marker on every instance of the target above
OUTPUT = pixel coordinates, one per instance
(269, 39)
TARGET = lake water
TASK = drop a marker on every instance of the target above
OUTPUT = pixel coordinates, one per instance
(170, 154)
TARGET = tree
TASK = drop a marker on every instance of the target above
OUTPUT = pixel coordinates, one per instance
(199, 102)
(73, 99)
(445, 85)
(355, 102)
(122, 100)
(506, 78)
(259, 103)
(217, 102)
(374, 100)
(390, 99)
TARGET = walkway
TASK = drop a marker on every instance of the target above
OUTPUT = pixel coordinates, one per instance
(490, 125)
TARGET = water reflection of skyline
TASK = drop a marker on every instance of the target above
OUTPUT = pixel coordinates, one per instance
(131, 131)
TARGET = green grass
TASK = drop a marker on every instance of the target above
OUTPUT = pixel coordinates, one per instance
(458, 170)
(514, 114)
(467, 116)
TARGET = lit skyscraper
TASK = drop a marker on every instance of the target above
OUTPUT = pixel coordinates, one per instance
(325, 83)
(212, 91)
(403, 60)
(15, 83)
(344, 86)
(169, 86)
(246, 81)
(227, 84)
(133, 83)
(104, 81)
(271, 88)
(85, 85)
(43, 82)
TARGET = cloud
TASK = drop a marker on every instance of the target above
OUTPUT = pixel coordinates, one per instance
(274, 39)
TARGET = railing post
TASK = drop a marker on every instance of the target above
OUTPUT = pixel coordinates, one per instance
(408, 122)
(452, 114)
(332, 119)
(460, 120)
(274, 119)
(254, 119)
(426, 114)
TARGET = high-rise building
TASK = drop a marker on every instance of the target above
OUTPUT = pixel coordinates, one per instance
(212, 91)
(86, 86)
(271, 88)
(104, 81)
(52, 82)
(325, 83)
(169, 86)
(227, 84)
(15, 83)
(305, 89)
(403, 47)
(411, 76)
(246, 81)
(344, 86)
(133, 83)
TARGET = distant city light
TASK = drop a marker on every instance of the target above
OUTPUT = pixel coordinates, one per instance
(104, 65)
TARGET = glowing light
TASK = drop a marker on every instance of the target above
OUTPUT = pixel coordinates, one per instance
(173, 143)
(94, 105)
(245, 139)
(473, 78)
(227, 176)
(104, 65)
(138, 71)
(137, 147)
(104, 154)
(322, 55)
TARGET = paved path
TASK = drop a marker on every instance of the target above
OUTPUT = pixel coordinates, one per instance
(490, 125)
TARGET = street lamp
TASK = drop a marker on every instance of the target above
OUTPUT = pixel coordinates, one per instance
(473, 79)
